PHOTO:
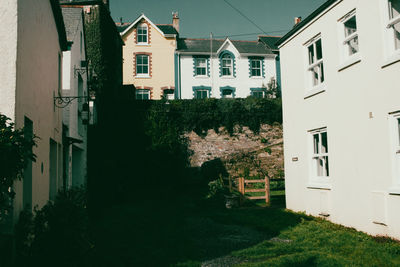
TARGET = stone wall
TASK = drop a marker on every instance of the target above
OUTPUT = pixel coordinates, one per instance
(260, 153)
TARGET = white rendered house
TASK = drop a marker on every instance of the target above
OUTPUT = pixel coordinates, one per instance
(341, 114)
(223, 68)
(75, 76)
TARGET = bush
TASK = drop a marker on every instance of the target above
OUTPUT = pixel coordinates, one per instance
(57, 234)
(15, 152)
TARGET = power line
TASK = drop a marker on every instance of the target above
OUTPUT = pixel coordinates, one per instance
(243, 15)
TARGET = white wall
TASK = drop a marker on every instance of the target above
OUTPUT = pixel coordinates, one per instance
(355, 107)
(37, 81)
(8, 56)
(242, 82)
(71, 117)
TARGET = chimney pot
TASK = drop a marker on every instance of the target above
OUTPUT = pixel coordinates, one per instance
(175, 20)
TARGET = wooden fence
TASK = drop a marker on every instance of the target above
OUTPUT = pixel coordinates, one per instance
(243, 183)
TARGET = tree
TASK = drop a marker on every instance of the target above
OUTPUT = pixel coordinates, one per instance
(15, 153)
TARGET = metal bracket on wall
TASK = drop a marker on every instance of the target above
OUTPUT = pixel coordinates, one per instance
(64, 101)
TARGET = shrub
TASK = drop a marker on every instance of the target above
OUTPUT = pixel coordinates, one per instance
(15, 152)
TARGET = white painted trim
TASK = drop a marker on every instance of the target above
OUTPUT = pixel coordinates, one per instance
(223, 44)
(137, 20)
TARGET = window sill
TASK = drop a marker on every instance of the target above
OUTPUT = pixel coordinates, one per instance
(257, 77)
(350, 62)
(391, 60)
(143, 77)
(227, 77)
(315, 91)
(394, 190)
(320, 186)
(201, 77)
(143, 44)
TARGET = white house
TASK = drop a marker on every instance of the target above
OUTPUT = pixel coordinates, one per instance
(75, 76)
(341, 114)
(32, 38)
(223, 68)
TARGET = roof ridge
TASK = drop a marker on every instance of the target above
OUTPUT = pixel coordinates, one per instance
(243, 41)
(208, 39)
(270, 36)
(164, 24)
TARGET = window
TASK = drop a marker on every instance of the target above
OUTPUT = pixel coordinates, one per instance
(169, 94)
(227, 92)
(394, 22)
(201, 92)
(142, 65)
(320, 163)
(142, 34)
(350, 35)
(395, 126)
(315, 62)
(200, 65)
(257, 92)
(226, 65)
(142, 94)
(255, 67)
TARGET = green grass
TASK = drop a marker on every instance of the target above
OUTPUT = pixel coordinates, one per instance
(173, 235)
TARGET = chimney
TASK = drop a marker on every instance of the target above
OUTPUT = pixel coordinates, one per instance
(175, 20)
(297, 20)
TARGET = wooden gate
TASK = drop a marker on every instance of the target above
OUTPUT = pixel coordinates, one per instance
(243, 183)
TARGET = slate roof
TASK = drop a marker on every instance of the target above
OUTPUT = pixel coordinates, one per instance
(165, 28)
(270, 41)
(203, 46)
(72, 17)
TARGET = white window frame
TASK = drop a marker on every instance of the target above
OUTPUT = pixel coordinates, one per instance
(315, 179)
(199, 64)
(259, 68)
(317, 63)
(142, 26)
(142, 92)
(227, 63)
(348, 58)
(392, 53)
(394, 128)
(142, 64)
(202, 90)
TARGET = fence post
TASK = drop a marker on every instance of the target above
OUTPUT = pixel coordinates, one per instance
(241, 189)
(267, 190)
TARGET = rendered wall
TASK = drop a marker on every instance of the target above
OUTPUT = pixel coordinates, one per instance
(355, 108)
(37, 82)
(8, 56)
(242, 82)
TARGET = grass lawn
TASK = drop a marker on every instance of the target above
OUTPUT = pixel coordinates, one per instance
(251, 236)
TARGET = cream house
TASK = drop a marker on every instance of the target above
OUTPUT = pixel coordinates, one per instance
(33, 38)
(148, 57)
(341, 114)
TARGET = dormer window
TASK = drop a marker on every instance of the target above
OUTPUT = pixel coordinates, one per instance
(142, 34)
(226, 62)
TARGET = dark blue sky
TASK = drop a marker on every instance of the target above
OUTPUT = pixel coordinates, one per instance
(200, 17)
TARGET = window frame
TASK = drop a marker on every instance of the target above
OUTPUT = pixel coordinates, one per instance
(142, 26)
(392, 54)
(316, 63)
(142, 92)
(315, 179)
(346, 39)
(259, 68)
(394, 129)
(227, 62)
(255, 91)
(197, 66)
(142, 74)
(201, 89)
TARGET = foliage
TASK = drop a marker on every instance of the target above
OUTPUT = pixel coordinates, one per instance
(15, 152)
(57, 234)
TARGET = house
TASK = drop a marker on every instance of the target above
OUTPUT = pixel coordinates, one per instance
(148, 57)
(75, 80)
(341, 114)
(33, 40)
(224, 68)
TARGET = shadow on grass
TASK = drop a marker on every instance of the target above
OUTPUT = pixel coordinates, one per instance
(163, 235)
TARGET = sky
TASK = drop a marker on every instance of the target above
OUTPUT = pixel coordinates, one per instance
(198, 18)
